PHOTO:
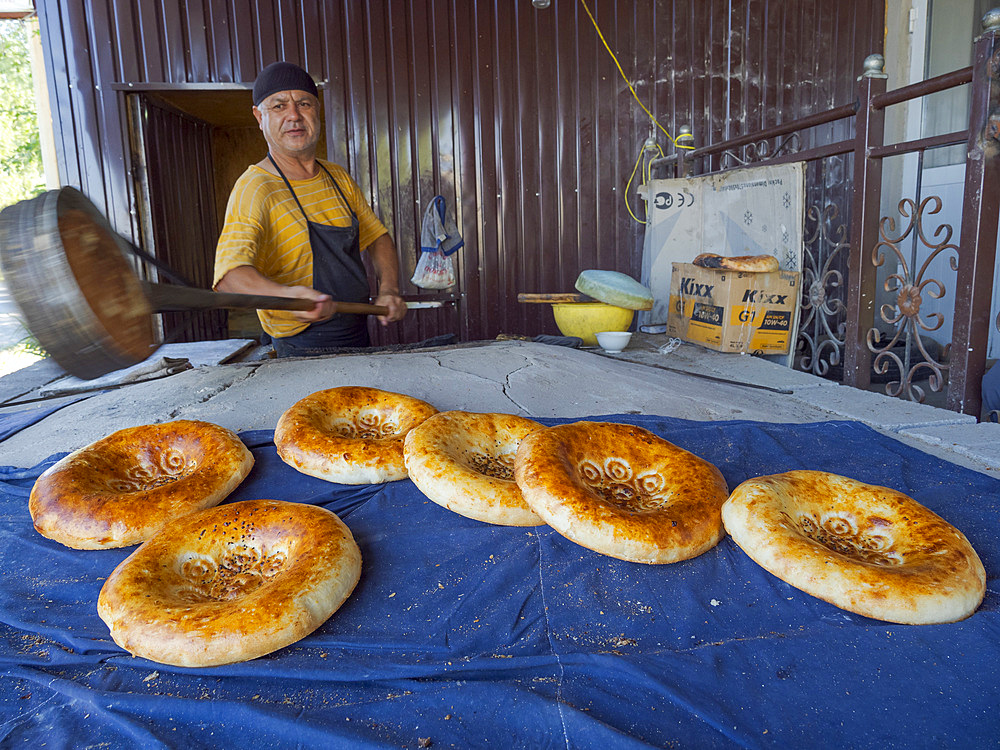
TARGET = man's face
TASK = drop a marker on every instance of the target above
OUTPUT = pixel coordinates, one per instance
(290, 122)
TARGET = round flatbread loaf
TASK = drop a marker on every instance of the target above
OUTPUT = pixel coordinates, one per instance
(744, 263)
(465, 462)
(231, 583)
(863, 548)
(121, 489)
(349, 435)
(622, 491)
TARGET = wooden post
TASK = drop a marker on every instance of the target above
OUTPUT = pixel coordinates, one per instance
(861, 273)
(978, 239)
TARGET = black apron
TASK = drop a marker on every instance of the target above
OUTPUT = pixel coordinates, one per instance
(337, 271)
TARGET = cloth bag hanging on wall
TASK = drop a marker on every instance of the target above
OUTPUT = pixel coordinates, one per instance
(439, 240)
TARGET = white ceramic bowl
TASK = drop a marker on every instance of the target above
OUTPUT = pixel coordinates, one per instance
(613, 341)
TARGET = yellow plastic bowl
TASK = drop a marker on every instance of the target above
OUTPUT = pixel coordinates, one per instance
(585, 319)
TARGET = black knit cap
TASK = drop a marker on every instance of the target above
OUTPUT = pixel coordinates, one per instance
(281, 76)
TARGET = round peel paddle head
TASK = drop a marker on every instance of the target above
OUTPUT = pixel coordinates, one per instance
(68, 273)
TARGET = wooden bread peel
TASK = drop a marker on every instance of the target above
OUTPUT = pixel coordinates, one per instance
(75, 284)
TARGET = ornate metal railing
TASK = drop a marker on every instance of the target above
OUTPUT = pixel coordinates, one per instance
(844, 265)
(822, 326)
(909, 285)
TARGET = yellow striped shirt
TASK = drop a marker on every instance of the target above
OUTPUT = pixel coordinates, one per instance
(265, 229)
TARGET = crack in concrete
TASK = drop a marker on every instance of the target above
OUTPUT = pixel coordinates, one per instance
(504, 384)
(215, 392)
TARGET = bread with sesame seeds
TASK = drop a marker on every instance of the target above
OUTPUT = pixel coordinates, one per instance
(464, 461)
(622, 491)
(864, 548)
(231, 583)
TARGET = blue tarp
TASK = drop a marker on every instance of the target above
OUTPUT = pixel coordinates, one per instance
(13, 422)
(464, 634)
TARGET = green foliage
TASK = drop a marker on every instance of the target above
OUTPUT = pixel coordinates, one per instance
(21, 174)
(30, 344)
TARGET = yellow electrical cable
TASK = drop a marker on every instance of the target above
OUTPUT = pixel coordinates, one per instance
(648, 165)
(629, 183)
(625, 78)
(647, 170)
(647, 175)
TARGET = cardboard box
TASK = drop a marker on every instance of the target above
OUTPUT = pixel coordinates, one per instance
(756, 210)
(731, 311)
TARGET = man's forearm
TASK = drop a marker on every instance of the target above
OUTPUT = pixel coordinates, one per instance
(248, 280)
(386, 262)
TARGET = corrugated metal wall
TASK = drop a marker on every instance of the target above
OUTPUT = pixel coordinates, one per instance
(517, 116)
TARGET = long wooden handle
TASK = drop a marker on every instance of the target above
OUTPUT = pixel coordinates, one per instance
(170, 298)
(554, 298)
(361, 308)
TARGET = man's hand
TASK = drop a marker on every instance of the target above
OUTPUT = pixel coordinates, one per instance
(396, 305)
(323, 306)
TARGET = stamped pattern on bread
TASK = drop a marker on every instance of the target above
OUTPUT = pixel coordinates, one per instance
(170, 466)
(840, 533)
(239, 570)
(367, 426)
(617, 484)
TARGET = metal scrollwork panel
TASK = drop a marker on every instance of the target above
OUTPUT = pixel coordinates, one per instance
(822, 326)
(761, 151)
(910, 285)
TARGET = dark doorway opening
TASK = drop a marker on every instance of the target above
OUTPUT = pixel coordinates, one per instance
(189, 146)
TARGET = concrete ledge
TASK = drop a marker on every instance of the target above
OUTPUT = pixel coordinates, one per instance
(879, 410)
(693, 359)
(525, 378)
(980, 442)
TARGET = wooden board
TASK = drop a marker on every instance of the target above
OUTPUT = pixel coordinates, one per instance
(566, 297)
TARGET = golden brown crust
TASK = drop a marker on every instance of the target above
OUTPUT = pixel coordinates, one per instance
(744, 263)
(622, 491)
(121, 489)
(231, 583)
(108, 283)
(861, 547)
(349, 435)
(465, 462)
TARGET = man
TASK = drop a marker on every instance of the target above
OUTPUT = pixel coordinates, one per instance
(296, 226)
